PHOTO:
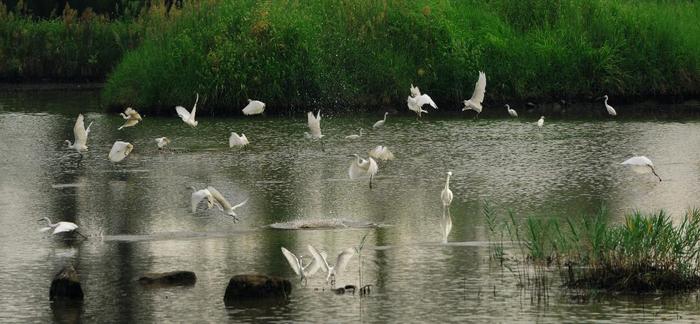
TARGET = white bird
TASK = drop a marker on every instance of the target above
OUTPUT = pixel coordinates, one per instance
(237, 140)
(162, 142)
(60, 227)
(80, 134)
(610, 109)
(478, 96)
(341, 262)
(446, 194)
(511, 111)
(380, 123)
(415, 92)
(363, 168)
(314, 125)
(641, 164)
(540, 122)
(188, 117)
(446, 225)
(381, 153)
(416, 104)
(254, 107)
(198, 196)
(354, 136)
(223, 204)
(297, 264)
(119, 151)
(132, 117)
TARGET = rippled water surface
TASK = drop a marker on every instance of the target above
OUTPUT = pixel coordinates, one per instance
(141, 209)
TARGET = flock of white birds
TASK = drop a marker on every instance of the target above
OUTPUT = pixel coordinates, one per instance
(360, 167)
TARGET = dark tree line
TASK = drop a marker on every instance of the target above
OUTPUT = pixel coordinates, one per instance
(111, 8)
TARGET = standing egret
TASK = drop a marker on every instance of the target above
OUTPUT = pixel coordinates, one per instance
(478, 96)
(511, 111)
(119, 151)
(446, 194)
(314, 123)
(610, 109)
(297, 264)
(363, 168)
(162, 142)
(415, 92)
(254, 107)
(380, 123)
(354, 136)
(60, 227)
(80, 134)
(198, 195)
(340, 263)
(237, 140)
(132, 117)
(540, 122)
(188, 117)
(223, 204)
(641, 164)
(381, 153)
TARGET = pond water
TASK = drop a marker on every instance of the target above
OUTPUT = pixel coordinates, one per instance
(138, 218)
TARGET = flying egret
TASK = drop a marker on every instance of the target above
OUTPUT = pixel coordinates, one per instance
(416, 104)
(641, 164)
(610, 109)
(363, 168)
(297, 264)
(80, 134)
(381, 153)
(254, 107)
(132, 117)
(340, 263)
(380, 123)
(162, 142)
(188, 117)
(446, 194)
(478, 96)
(314, 123)
(198, 196)
(540, 122)
(237, 140)
(511, 111)
(60, 227)
(223, 204)
(415, 92)
(354, 136)
(120, 150)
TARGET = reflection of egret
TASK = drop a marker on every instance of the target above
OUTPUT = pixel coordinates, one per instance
(198, 196)
(641, 164)
(80, 134)
(380, 123)
(237, 140)
(511, 111)
(474, 103)
(540, 122)
(340, 263)
(132, 117)
(60, 227)
(363, 168)
(446, 194)
(254, 107)
(188, 117)
(610, 109)
(223, 204)
(162, 142)
(354, 136)
(297, 264)
(382, 153)
(120, 150)
(446, 224)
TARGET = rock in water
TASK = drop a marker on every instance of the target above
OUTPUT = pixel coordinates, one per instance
(66, 286)
(174, 278)
(255, 286)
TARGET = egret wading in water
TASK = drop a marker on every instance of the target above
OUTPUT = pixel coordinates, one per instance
(609, 108)
(237, 140)
(474, 103)
(186, 116)
(60, 227)
(297, 264)
(162, 142)
(540, 122)
(381, 153)
(446, 194)
(120, 150)
(363, 168)
(132, 118)
(511, 111)
(341, 262)
(641, 164)
(254, 107)
(198, 196)
(354, 136)
(223, 204)
(380, 123)
(80, 135)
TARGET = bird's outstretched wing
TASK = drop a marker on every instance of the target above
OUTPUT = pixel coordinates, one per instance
(292, 260)
(194, 108)
(415, 92)
(373, 168)
(219, 198)
(182, 112)
(64, 227)
(479, 89)
(79, 131)
(355, 170)
(344, 259)
(234, 140)
(129, 122)
(197, 197)
(318, 263)
(240, 205)
(314, 123)
(425, 99)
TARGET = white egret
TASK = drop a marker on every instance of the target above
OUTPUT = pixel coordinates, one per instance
(511, 111)
(381, 153)
(641, 164)
(416, 104)
(446, 194)
(314, 123)
(478, 96)
(237, 140)
(60, 227)
(223, 204)
(254, 107)
(380, 123)
(80, 135)
(354, 136)
(540, 122)
(363, 168)
(198, 196)
(119, 151)
(341, 262)
(162, 142)
(415, 92)
(297, 264)
(188, 117)
(132, 117)
(610, 109)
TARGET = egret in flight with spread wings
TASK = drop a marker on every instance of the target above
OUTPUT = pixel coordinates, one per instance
(80, 135)
(198, 196)
(237, 140)
(254, 107)
(132, 117)
(60, 227)
(478, 96)
(641, 164)
(314, 123)
(354, 136)
(511, 111)
(380, 123)
(162, 142)
(119, 151)
(363, 168)
(188, 117)
(381, 153)
(540, 122)
(446, 194)
(297, 264)
(610, 109)
(223, 204)
(340, 263)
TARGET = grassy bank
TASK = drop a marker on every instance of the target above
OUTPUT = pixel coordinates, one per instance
(339, 54)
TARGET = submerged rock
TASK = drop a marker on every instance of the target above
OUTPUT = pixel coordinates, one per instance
(173, 278)
(66, 286)
(255, 286)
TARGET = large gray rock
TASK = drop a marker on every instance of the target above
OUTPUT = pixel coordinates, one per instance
(174, 278)
(255, 286)
(66, 286)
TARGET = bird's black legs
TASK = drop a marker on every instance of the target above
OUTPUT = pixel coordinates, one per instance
(654, 172)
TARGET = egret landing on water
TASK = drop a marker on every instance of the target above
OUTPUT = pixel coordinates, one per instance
(60, 227)
(297, 264)
(198, 196)
(354, 136)
(609, 108)
(254, 107)
(80, 135)
(474, 103)
(162, 142)
(641, 164)
(132, 117)
(237, 140)
(363, 168)
(416, 104)
(119, 151)
(340, 263)
(380, 123)
(381, 153)
(188, 117)
(511, 111)
(540, 122)
(223, 204)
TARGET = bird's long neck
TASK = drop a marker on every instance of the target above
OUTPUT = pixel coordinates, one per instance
(384, 116)
(360, 131)
(48, 221)
(69, 143)
(447, 182)
(606, 100)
